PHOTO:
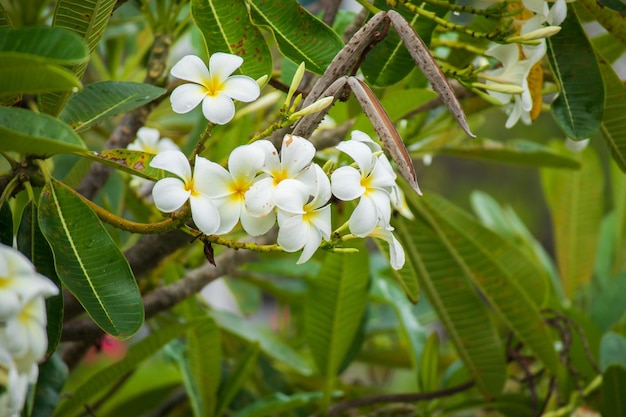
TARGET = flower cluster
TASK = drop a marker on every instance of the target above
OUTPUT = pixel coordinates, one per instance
(519, 60)
(263, 187)
(23, 340)
(149, 140)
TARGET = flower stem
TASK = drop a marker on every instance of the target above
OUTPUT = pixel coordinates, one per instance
(201, 145)
(218, 240)
(369, 6)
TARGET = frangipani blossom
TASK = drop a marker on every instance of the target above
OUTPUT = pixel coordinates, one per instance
(149, 140)
(214, 87)
(303, 214)
(372, 183)
(170, 194)
(228, 189)
(296, 155)
(396, 251)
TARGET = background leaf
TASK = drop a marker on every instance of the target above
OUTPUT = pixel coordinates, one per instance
(89, 262)
(226, 27)
(52, 376)
(48, 44)
(301, 37)
(100, 101)
(611, 20)
(132, 162)
(613, 125)
(613, 387)
(579, 105)
(6, 225)
(575, 199)
(32, 75)
(28, 132)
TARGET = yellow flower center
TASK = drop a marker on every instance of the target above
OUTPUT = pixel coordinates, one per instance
(238, 190)
(190, 186)
(279, 176)
(366, 182)
(214, 86)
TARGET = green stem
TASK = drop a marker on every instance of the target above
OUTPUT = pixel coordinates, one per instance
(201, 145)
(369, 6)
(268, 131)
(218, 240)
(8, 190)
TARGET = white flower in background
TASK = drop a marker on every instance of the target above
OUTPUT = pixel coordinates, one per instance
(149, 140)
(303, 214)
(296, 155)
(553, 16)
(228, 189)
(170, 194)
(372, 183)
(214, 87)
(396, 251)
(23, 340)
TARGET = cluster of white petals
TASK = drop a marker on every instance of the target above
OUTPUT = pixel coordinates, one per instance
(262, 187)
(215, 87)
(149, 140)
(517, 60)
(23, 340)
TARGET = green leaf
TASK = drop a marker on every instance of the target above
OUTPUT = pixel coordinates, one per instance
(226, 27)
(137, 353)
(429, 369)
(48, 44)
(132, 162)
(606, 307)
(28, 132)
(579, 105)
(20, 74)
(613, 388)
(575, 199)
(301, 37)
(52, 376)
(612, 21)
(521, 152)
(205, 363)
(270, 344)
(279, 403)
(613, 125)
(6, 225)
(446, 285)
(103, 100)
(89, 263)
(405, 276)
(5, 21)
(612, 351)
(31, 242)
(334, 307)
(507, 277)
(233, 384)
(616, 5)
(390, 62)
(88, 19)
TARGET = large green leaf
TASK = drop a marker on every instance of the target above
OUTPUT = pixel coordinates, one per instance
(204, 352)
(89, 262)
(575, 199)
(613, 388)
(52, 376)
(612, 350)
(612, 21)
(613, 125)
(100, 101)
(334, 307)
(51, 45)
(28, 132)
(88, 19)
(226, 27)
(21, 74)
(521, 152)
(511, 280)
(133, 162)
(301, 37)
(447, 286)
(279, 403)
(245, 366)
(137, 353)
(389, 61)
(579, 105)
(31, 242)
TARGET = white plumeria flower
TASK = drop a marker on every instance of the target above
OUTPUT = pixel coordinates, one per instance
(228, 189)
(396, 251)
(19, 282)
(149, 140)
(372, 183)
(214, 87)
(296, 155)
(303, 214)
(170, 194)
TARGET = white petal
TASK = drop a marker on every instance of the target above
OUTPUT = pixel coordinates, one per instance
(211, 179)
(382, 201)
(322, 193)
(291, 196)
(167, 144)
(320, 219)
(204, 214)
(364, 218)
(260, 197)
(271, 161)
(381, 176)
(360, 152)
(292, 233)
(221, 65)
(507, 54)
(229, 211)
(257, 226)
(362, 137)
(296, 153)
(242, 88)
(245, 161)
(557, 13)
(310, 246)
(173, 161)
(186, 97)
(169, 194)
(191, 68)
(218, 109)
(346, 183)
(396, 252)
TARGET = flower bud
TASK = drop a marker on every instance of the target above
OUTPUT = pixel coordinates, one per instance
(319, 105)
(295, 83)
(535, 35)
(500, 88)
